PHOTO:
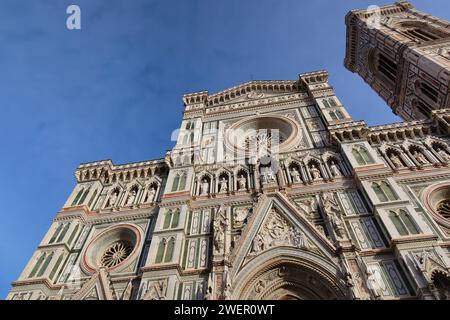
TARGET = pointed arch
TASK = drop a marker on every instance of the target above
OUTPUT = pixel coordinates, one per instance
(169, 251)
(161, 250)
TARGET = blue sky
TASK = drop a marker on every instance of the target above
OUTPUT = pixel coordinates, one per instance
(113, 89)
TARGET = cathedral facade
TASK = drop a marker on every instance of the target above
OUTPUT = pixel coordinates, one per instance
(273, 191)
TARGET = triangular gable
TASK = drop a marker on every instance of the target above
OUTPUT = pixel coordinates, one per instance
(276, 222)
(97, 287)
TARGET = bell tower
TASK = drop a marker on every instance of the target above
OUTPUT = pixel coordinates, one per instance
(404, 55)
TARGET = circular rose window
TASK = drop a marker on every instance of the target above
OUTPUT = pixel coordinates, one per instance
(437, 201)
(112, 248)
(116, 253)
(443, 209)
(263, 132)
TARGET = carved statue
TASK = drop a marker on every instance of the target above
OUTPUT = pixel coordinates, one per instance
(338, 226)
(220, 226)
(258, 244)
(444, 155)
(332, 210)
(204, 188)
(396, 161)
(267, 175)
(277, 231)
(295, 175)
(223, 186)
(240, 214)
(308, 206)
(113, 198)
(315, 173)
(151, 194)
(335, 172)
(373, 284)
(131, 197)
(419, 157)
(242, 183)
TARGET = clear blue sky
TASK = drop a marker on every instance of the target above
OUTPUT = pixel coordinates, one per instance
(113, 89)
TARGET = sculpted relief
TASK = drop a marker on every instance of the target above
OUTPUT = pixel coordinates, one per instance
(277, 231)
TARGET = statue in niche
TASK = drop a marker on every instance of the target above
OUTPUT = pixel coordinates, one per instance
(444, 155)
(223, 186)
(419, 157)
(295, 175)
(332, 210)
(113, 198)
(315, 173)
(335, 172)
(204, 187)
(372, 283)
(242, 183)
(396, 160)
(131, 197)
(267, 175)
(151, 194)
(220, 226)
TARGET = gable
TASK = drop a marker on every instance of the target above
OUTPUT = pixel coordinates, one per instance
(277, 223)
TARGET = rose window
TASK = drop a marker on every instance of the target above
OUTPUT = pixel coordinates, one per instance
(271, 133)
(443, 208)
(116, 254)
(262, 140)
(114, 247)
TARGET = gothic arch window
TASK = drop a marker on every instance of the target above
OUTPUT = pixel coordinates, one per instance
(182, 182)
(161, 249)
(179, 182)
(77, 198)
(325, 103)
(409, 222)
(94, 195)
(362, 156)
(336, 115)
(72, 235)
(398, 223)
(169, 251)
(63, 233)
(382, 65)
(175, 219)
(167, 219)
(56, 267)
(56, 233)
(384, 191)
(84, 196)
(403, 222)
(421, 31)
(332, 102)
(37, 265)
(176, 182)
(44, 267)
(190, 125)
